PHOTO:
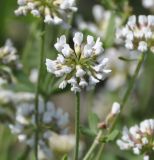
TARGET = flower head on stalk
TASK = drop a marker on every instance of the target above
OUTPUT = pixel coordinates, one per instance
(53, 11)
(138, 33)
(138, 138)
(81, 66)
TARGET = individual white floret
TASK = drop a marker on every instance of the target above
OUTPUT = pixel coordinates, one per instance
(75, 88)
(145, 140)
(142, 19)
(78, 38)
(35, 13)
(83, 83)
(151, 20)
(66, 50)
(129, 44)
(63, 84)
(79, 71)
(136, 150)
(132, 21)
(146, 157)
(142, 46)
(60, 43)
(115, 108)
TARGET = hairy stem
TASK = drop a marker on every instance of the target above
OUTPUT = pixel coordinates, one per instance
(77, 126)
(41, 61)
(123, 103)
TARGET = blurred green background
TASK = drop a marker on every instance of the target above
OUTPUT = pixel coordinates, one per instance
(24, 32)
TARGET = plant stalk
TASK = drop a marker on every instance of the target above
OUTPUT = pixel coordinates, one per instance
(41, 62)
(123, 103)
(77, 126)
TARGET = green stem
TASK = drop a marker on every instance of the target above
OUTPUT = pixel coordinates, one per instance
(77, 126)
(41, 61)
(100, 151)
(123, 103)
(93, 146)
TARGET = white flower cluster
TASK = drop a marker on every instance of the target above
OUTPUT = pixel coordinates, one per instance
(50, 120)
(81, 66)
(53, 11)
(8, 52)
(139, 138)
(138, 33)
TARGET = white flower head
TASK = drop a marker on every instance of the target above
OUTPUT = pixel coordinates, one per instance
(52, 11)
(138, 138)
(81, 66)
(138, 33)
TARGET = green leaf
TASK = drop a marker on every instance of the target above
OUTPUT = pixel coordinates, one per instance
(103, 139)
(64, 157)
(93, 121)
(87, 131)
(126, 59)
(112, 136)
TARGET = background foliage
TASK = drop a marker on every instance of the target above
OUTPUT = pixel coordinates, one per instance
(25, 34)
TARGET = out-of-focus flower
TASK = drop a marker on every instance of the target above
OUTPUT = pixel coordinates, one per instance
(138, 33)
(149, 4)
(8, 61)
(81, 66)
(50, 120)
(139, 138)
(101, 18)
(52, 11)
(8, 53)
(10, 97)
(115, 108)
(62, 143)
(2, 82)
(120, 69)
(33, 75)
